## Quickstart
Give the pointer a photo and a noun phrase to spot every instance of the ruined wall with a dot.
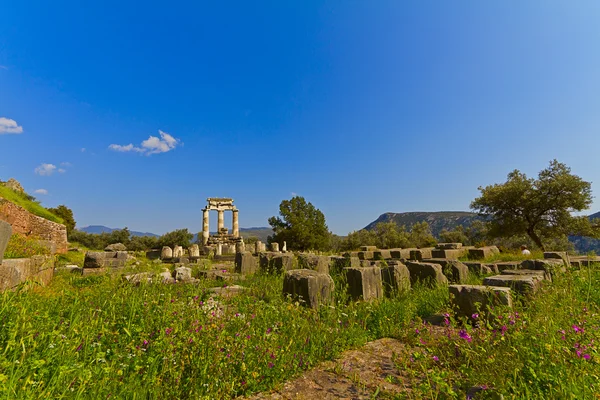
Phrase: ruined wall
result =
(17, 270)
(25, 223)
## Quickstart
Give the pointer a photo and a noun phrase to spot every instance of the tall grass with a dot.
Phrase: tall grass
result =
(32, 206)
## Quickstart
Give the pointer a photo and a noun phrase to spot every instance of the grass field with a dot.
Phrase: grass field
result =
(31, 206)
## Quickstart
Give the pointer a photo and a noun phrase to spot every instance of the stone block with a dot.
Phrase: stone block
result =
(137, 279)
(395, 278)
(48, 245)
(182, 274)
(310, 287)
(365, 255)
(551, 265)
(525, 285)
(401, 253)
(240, 247)
(420, 254)
(16, 270)
(471, 299)
(5, 234)
(264, 259)
(313, 262)
(501, 266)
(455, 271)
(194, 250)
(245, 263)
(74, 269)
(337, 263)
(558, 255)
(177, 251)
(364, 283)
(166, 253)
(539, 273)
(450, 254)
(368, 248)
(429, 273)
(483, 252)
(153, 254)
(94, 259)
(448, 246)
(275, 247)
(115, 247)
(382, 255)
(276, 262)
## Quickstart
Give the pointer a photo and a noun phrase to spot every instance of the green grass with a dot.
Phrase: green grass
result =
(32, 206)
(20, 246)
(512, 256)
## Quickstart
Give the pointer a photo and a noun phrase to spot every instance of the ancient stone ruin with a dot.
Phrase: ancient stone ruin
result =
(222, 236)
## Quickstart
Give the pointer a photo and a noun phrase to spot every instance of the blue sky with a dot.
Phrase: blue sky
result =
(360, 107)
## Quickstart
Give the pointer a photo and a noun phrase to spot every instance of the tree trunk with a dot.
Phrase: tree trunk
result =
(535, 238)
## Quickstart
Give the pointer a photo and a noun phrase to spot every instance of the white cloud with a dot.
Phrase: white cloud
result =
(152, 145)
(66, 164)
(83, 149)
(9, 126)
(45, 169)
(40, 191)
(62, 170)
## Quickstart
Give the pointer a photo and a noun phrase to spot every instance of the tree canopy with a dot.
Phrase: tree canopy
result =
(66, 214)
(300, 225)
(540, 208)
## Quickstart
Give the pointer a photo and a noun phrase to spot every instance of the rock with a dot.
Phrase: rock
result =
(543, 275)
(310, 287)
(5, 234)
(166, 253)
(401, 253)
(508, 265)
(115, 247)
(275, 247)
(526, 285)
(94, 259)
(396, 278)
(455, 271)
(483, 252)
(313, 262)
(428, 273)
(245, 263)
(14, 184)
(364, 283)
(382, 255)
(368, 248)
(420, 254)
(136, 279)
(366, 255)
(471, 299)
(281, 262)
(450, 254)
(448, 246)
(194, 250)
(74, 269)
(153, 254)
(337, 264)
(560, 255)
(182, 274)
(177, 251)
(550, 265)
(165, 277)
(240, 247)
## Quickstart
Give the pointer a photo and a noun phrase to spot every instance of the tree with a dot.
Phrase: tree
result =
(300, 225)
(178, 237)
(540, 208)
(420, 235)
(66, 214)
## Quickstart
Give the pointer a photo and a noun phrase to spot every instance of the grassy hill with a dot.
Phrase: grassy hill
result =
(28, 203)
(97, 229)
(437, 220)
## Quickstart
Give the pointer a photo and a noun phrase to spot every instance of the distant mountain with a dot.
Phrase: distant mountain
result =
(437, 221)
(104, 229)
(584, 244)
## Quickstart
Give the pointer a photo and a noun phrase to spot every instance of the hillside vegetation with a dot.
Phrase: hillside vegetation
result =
(437, 221)
(29, 203)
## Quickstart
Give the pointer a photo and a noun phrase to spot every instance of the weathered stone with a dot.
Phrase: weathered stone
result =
(219, 249)
(455, 271)
(49, 245)
(451, 254)
(472, 299)
(396, 278)
(245, 263)
(165, 277)
(523, 284)
(178, 251)
(310, 287)
(74, 269)
(561, 255)
(94, 259)
(153, 254)
(501, 266)
(420, 254)
(313, 262)
(115, 247)
(428, 273)
(275, 247)
(550, 265)
(401, 253)
(368, 248)
(483, 252)
(448, 246)
(364, 283)
(337, 264)
(382, 255)
(16, 270)
(5, 234)
(182, 274)
(136, 279)
(365, 255)
(479, 268)
(240, 247)
(281, 262)
(166, 253)
(194, 250)
(539, 273)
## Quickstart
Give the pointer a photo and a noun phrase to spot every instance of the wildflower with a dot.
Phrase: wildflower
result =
(436, 358)
(168, 331)
(586, 356)
(503, 329)
(271, 365)
(269, 330)
(475, 316)
(465, 335)
(577, 329)
(417, 331)
(145, 342)
(80, 347)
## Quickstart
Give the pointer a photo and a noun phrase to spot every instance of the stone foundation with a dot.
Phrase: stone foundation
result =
(37, 268)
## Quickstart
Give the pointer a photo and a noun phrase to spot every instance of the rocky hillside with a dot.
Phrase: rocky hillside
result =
(437, 220)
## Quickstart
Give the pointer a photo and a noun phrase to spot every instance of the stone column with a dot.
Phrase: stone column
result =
(221, 220)
(205, 227)
(236, 224)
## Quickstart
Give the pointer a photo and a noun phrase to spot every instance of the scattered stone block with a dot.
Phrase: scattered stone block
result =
(526, 285)
(560, 255)
(166, 253)
(483, 252)
(16, 270)
(153, 254)
(539, 273)
(165, 277)
(74, 269)
(228, 291)
(501, 266)
(5, 234)
(182, 274)
(275, 247)
(313, 262)
(421, 254)
(551, 266)
(395, 278)
(308, 286)
(137, 279)
(115, 247)
(472, 299)
(428, 273)
(94, 259)
(178, 252)
(401, 253)
(364, 283)
(448, 246)
(281, 262)
(366, 255)
(382, 255)
(337, 264)
(245, 263)
(194, 250)
(455, 271)
(451, 254)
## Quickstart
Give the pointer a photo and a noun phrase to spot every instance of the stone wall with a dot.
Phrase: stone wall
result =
(17, 270)
(25, 223)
